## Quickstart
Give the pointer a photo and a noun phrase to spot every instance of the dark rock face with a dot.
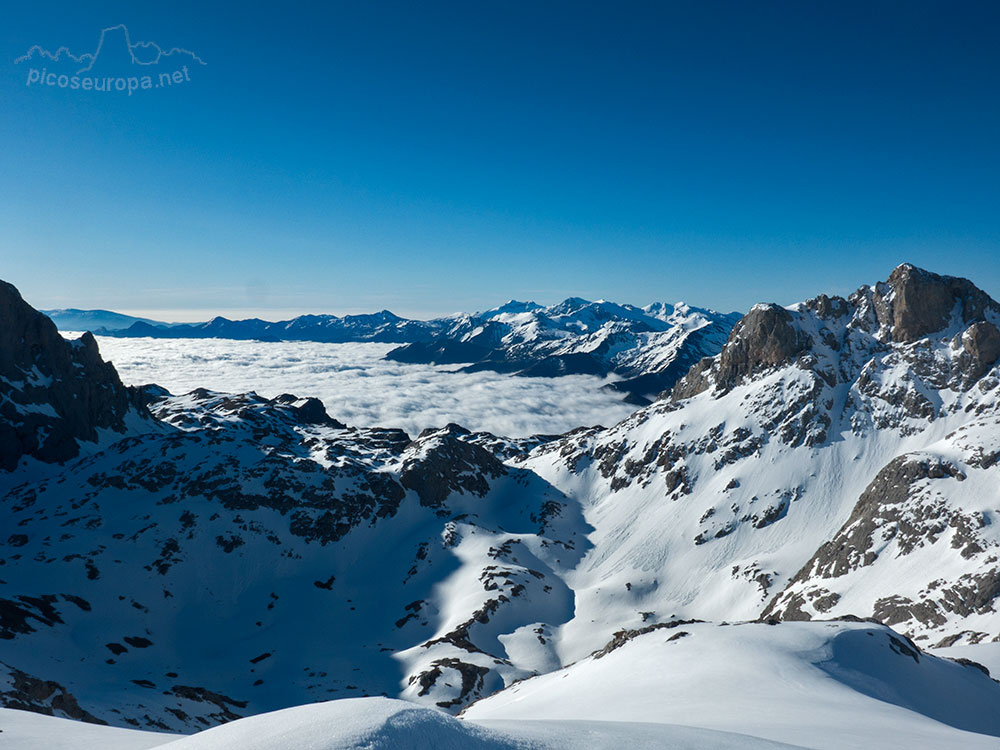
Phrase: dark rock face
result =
(440, 463)
(53, 392)
(308, 410)
(763, 338)
(914, 303)
(828, 308)
(694, 382)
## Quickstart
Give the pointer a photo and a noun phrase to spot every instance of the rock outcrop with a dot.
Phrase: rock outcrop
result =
(764, 338)
(981, 342)
(53, 393)
(913, 303)
(439, 463)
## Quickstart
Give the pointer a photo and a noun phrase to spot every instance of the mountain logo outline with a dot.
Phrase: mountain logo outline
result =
(145, 54)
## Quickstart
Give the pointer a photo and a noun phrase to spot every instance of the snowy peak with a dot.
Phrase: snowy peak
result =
(648, 348)
(383, 326)
(511, 307)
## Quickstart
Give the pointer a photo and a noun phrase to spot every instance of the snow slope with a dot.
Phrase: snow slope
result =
(688, 685)
(372, 724)
(25, 730)
(832, 685)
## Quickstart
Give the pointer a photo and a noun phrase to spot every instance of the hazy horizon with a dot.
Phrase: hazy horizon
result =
(181, 315)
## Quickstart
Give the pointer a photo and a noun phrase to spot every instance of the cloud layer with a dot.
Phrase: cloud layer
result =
(360, 388)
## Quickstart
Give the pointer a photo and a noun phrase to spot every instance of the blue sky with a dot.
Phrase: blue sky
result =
(433, 157)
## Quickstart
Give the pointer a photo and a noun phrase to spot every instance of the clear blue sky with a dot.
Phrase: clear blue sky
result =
(431, 157)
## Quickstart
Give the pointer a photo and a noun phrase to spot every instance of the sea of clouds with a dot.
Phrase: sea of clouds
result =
(362, 389)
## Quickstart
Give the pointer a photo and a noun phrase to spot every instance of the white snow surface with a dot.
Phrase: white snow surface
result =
(824, 685)
(24, 730)
(693, 686)
(372, 724)
(360, 388)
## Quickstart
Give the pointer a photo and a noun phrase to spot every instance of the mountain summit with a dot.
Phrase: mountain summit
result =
(54, 394)
(914, 303)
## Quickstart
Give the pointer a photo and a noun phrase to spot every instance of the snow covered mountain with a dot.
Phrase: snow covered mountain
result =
(648, 348)
(838, 457)
(208, 556)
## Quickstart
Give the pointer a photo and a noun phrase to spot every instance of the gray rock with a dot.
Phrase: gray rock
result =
(981, 341)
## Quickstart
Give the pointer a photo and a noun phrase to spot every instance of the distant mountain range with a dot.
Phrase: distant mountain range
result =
(647, 348)
(97, 321)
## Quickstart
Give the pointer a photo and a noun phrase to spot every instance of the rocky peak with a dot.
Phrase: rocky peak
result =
(911, 305)
(764, 338)
(828, 308)
(308, 410)
(914, 303)
(440, 462)
(53, 392)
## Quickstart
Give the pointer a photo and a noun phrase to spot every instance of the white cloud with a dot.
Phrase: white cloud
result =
(360, 388)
